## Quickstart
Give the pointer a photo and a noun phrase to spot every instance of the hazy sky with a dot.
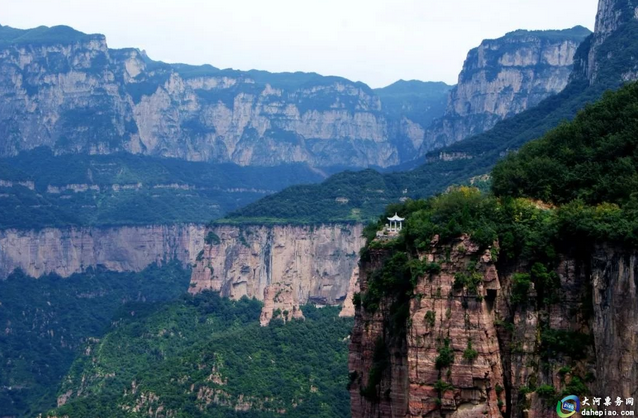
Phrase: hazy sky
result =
(374, 41)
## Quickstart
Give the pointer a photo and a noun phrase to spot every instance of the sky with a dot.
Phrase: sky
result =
(373, 41)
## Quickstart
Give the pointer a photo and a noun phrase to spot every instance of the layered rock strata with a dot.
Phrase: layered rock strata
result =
(466, 354)
(65, 251)
(503, 77)
(285, 266)
(74, 94)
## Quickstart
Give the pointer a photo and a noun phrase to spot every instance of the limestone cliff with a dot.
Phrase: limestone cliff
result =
(612, 15)
(471, 354)
(73, 94)
(285, 266)
(74, 250)
(503, 77)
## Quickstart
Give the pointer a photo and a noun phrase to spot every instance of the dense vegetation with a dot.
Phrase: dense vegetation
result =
(559, 196)
(362, 195)
(577, 33)
(589, 167)
(591, 159)
(129, 189)
(46, 321)
(584, 172)
(206, 356)
(41, 35)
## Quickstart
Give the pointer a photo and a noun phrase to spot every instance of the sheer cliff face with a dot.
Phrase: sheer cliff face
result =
(594, 317)
(438, 316)
(74, 250)
(611, 16)
(284, 266)
(81, 96)
(614, 279)
(503, 77)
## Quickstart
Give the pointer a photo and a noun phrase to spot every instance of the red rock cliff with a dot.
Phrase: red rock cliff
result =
(469, 351)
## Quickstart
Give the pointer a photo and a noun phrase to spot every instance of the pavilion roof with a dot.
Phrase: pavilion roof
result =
(396, 218)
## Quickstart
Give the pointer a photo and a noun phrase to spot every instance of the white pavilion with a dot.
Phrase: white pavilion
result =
(396, 223)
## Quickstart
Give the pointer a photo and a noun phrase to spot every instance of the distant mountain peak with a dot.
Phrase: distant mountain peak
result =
(44, 35)
(577, 32)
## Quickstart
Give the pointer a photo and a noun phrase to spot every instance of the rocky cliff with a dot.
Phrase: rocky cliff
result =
(458, 352)
(70, 92)
(284, 266)
(65, 251)
(612, 16)
(503, 77)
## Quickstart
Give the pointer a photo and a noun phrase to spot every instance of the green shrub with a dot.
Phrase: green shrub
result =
(442, 386)
(521, 284)
(470, 354)
(200, 256)
(576, 386)
(212, 238)
(546, 391)
(356, 300)
(380, 363)
(430, 318)
(446, 355)
(569, 343)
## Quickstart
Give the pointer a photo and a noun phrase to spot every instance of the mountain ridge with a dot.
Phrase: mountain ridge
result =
(460, 162)
(123, 101)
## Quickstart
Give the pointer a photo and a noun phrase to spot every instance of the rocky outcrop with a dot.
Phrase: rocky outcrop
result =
(285, 266)
(614, 281)
(477, 353)
(503, 77)
(441, 317)
(347, 311)
(612, 15)
(74, 250)
(74, 94)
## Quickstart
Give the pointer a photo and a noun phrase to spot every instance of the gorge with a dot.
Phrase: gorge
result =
(166, 243)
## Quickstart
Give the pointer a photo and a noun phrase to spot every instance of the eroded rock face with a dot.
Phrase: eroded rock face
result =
(503, 77)
(440, 316)
(74, 250)
(611, 16)
(81, 96)
(285, 266)
(614, 279)
(581, 338)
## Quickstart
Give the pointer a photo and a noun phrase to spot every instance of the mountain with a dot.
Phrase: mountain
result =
(504, 304)
(68, 91)
(615, 18)
(467, 161)
(206, 356)
(41, 190)
(47, 321)
(503, 77)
